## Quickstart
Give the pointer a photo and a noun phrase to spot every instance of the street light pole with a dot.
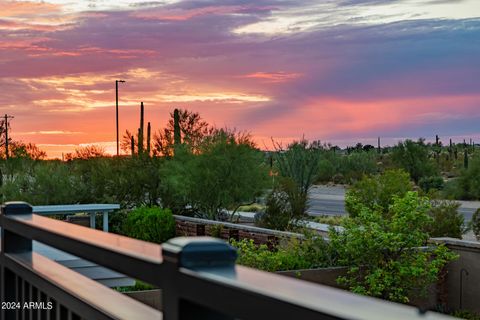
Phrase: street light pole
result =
(116, 110)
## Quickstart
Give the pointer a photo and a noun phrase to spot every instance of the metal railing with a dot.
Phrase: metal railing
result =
(92, 210)
(198, 278)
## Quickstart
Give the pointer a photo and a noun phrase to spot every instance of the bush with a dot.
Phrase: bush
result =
(299, 163)
(284, 207)
(331, 220)
(216, 230)
(475, 224)
(465, 314)
(227, 173)
(277, 215)
(129, 181)
(313, 252)
(150, 224)
(326, 170)
(469, 181)
(381, 250)
(358, 164)
(378, 192)
(138, 286)
(254, 207)
(116, 221)
(45, 183)
(431, 183)
(414, 158)
(447, 221)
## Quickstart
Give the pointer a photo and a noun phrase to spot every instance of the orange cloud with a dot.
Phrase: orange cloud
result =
(119, 53)
(27, 8)
(17, 25)
(273, 76)
(37, 16)
(182, 15)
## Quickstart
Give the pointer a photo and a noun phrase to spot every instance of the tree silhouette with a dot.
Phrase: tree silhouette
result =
(192, 130)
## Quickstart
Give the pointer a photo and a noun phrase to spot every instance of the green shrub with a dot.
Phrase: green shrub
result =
(227, 172)
(299, 163)
(216, 230)
(447, 221)
(377, 192)
(380, 250)
(431, 183)
(254, 207)
(139, 286)
(150, 224)
(312, 252)
(326, 171)
(469, 180)
(475, 224)
(414, 158)
(465, 314)
(357, 164)
(331, 220)
(284, 207)
(116, 220)
(452, 190)
(277, 215)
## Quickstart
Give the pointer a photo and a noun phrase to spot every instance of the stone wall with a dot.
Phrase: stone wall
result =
(189, 227)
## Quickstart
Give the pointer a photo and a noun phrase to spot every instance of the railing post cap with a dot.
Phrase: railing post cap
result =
(198, 252)
(16, 207)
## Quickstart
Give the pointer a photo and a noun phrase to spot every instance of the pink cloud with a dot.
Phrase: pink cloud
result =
(27, 8)
(273, 76)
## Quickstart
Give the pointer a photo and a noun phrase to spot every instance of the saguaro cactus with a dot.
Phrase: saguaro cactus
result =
(465, 158)
(379, 148)
(132, 145)
(177, 139)
(437, 148)
(450, 150)
(149, 131)
(140, 130)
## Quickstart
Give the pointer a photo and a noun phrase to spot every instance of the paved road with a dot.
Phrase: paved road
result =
(331, 201)
(324, 200)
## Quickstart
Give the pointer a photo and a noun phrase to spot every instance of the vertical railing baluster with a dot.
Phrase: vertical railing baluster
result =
(43, 312)
(51, 312)
(58, 309)
(17, 294)
(24, 298)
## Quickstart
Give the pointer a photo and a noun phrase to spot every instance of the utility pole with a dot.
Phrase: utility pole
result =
(116, 110)
(6, 134)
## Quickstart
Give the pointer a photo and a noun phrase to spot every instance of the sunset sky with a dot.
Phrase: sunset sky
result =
(339, 71)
